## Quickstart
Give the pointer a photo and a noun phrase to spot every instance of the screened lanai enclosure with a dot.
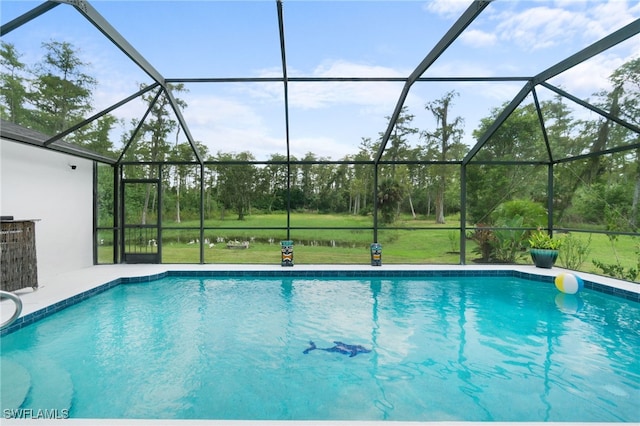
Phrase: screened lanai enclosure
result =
(445, 131)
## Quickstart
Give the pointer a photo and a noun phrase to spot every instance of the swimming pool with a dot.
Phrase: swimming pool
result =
(494, 348)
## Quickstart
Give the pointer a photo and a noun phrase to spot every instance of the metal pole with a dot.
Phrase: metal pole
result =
(375, 202)
(550, 198)
(118, 210)
(95, 213)
(201, 212)
(463, 213)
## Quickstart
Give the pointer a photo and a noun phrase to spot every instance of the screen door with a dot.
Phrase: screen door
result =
(141, 221)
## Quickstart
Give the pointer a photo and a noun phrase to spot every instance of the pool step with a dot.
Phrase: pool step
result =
(51, 386)
(16, 382)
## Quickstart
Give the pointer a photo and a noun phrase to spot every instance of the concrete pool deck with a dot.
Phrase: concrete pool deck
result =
(55, 289)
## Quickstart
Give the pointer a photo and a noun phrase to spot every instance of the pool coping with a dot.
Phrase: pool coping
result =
(80, 285)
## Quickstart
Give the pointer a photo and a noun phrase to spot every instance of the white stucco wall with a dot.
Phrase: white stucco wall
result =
(40, 184)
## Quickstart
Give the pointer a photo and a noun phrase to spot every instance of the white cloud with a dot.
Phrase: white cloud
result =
(324, 95)
(478, 38)
(593, 75)
(230, 125)
(461, 68)
(218, 111)
(564, 22)
(447, 8)
(610, 16)
(250, 117)
(343, 68)
(589, 77)
(234, 139)
(541, 27)
(322, 146)
(315, 95)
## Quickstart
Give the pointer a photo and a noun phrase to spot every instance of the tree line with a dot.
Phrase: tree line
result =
(420, 180)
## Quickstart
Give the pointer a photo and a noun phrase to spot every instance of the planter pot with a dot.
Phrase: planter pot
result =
(544, 258)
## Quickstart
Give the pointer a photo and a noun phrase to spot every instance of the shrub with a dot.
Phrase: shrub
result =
(574, 251)
(454, 241)
(484, 237)
(532, 213)
(617, 270)
(508, 243)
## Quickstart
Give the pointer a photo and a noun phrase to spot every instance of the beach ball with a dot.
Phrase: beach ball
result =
(569, 283)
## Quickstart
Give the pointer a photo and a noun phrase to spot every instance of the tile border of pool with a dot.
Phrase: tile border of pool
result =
(547, 276)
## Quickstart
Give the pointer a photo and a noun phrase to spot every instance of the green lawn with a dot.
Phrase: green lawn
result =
(434, 245)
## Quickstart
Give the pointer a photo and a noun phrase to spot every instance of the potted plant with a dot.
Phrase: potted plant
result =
(544, 248)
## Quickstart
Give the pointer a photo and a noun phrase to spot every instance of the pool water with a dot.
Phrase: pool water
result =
(442, 349)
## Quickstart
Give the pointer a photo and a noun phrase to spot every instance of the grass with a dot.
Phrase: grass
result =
(436, 244)
(621, 250)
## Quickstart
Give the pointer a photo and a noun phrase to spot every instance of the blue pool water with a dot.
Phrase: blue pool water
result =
(442, 349)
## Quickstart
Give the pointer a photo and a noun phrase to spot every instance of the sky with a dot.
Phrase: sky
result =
(216, 39)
